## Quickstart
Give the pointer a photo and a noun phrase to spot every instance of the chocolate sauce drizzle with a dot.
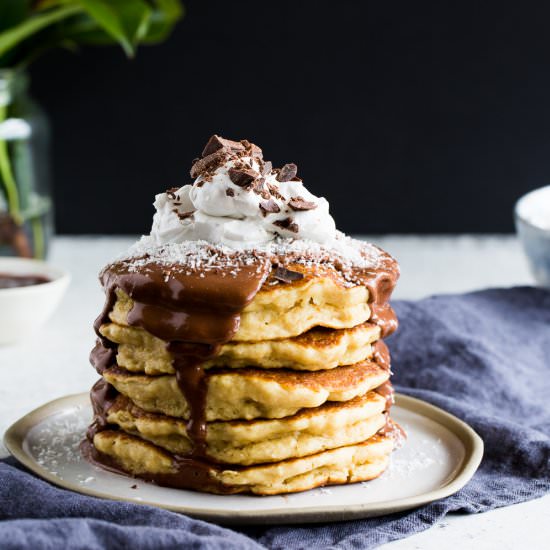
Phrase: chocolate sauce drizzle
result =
(196, 312)
(380, 283)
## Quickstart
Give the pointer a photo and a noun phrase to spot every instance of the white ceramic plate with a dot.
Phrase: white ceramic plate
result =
(439, 457)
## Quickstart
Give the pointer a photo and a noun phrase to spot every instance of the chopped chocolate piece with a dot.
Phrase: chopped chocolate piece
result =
(274, 191)
(298, 203)
(230, 192)
(215, 143)
(286, 275)
(183, 215)
(209, 162)
(267, 168)
(260, 188)
(263, 192)
(287, 223)
(134, 486)
(251, 149)
(287, 172)
(269, 207)
(242, 177)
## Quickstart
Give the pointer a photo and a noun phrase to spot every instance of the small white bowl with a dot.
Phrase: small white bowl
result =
(532, 216)
(24, 309)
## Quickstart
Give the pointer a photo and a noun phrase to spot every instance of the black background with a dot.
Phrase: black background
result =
(408, 117)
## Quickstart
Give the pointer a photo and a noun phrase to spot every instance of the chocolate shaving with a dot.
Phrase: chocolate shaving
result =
(183, 215)
(260, 189)
(267, 168)
(286, 275)
(218, 150)
(288, 224)
(287, 172)
(298, 204)
(209, 162)
(230, 192)
(242, 177)
(251, 149)
(274, 191)
(215, 143)
(269, 207)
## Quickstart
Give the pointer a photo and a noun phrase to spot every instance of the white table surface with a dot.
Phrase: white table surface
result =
(54, 361)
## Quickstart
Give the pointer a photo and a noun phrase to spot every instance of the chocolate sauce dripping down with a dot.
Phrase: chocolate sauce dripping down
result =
(381, 355)
(380, 283)
(194, 312)
(387, 392)
(193, 383)
(102, 396)
(102, 357)
(103, 354)
(393, 430)
(189, 473)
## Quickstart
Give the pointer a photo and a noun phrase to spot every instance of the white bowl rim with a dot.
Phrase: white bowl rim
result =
(522, 218)
(57, 275)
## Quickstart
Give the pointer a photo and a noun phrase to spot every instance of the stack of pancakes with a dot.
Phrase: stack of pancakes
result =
(298, 396)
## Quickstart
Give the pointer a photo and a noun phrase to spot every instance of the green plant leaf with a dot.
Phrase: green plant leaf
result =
(12, 37)
(108, 19)
(135, 16)
(13, 12)
(165, 15)
(51, 23)
(6, 173)
(160, 22)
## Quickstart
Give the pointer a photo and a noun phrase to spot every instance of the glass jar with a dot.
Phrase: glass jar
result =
(26, 213)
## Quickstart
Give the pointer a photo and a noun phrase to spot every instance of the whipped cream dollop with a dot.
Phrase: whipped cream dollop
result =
(237, 199)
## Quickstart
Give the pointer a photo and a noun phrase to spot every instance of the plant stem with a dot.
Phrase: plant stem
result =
(38, 234)
(8, 180)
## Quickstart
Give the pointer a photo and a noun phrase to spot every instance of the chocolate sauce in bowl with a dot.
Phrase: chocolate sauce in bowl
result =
(9, 280)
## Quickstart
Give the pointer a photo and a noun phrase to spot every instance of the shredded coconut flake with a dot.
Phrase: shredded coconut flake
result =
(344, 253)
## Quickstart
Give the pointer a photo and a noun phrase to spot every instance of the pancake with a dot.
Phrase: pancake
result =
(131, 455)
(256, 441)
(284, 311)
(319, 348)
(250, 393)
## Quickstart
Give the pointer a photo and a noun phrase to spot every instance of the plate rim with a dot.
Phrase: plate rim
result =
(472, 442)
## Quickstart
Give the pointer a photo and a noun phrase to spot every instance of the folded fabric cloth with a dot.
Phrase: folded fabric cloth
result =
(482, 356)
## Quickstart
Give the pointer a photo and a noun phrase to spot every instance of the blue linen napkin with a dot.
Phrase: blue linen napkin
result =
(483, 356)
